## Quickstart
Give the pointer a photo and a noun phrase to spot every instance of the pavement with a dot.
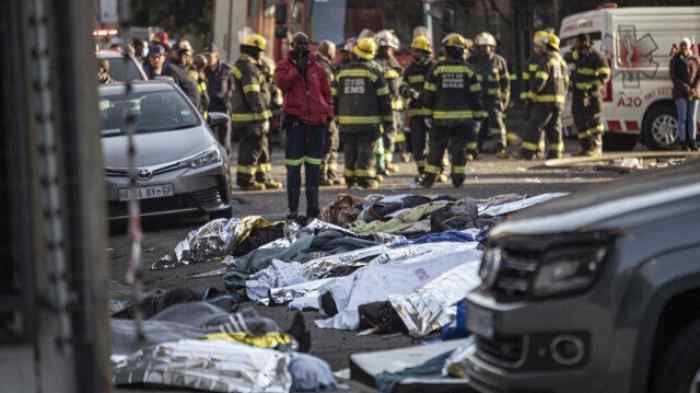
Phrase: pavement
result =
(486, 177)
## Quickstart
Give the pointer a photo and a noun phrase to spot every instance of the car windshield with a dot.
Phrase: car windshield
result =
(123, 71)
(163, 110)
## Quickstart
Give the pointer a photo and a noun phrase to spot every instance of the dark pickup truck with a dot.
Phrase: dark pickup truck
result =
(594, 292)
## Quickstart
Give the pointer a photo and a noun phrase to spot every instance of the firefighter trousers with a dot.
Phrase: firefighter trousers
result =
(586, 110)
(419, 140)
(388, 140)
(547, 118)
(264, 173)
(329, 165)
(454, 139)
(304, 147)
(359, 147)
(250, 149)
(494, 126)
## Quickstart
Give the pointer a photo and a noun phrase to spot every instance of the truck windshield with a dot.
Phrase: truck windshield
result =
(336, 20)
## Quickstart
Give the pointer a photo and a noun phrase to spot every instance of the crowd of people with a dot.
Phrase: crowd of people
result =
(440, 109)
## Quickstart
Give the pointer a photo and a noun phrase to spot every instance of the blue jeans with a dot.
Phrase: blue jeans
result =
(687, 119)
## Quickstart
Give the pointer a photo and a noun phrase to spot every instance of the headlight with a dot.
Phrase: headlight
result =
(207, 157)
(570, 270)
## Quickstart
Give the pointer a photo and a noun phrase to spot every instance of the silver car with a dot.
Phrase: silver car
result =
(180, 165)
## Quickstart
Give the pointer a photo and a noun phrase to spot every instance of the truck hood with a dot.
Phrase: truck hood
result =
(601, 205)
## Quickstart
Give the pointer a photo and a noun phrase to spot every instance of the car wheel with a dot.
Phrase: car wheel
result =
(679, 369)
(660, 127)
(613, 141)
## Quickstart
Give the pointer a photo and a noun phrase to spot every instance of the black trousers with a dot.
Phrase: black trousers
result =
(250, 149)
(358, 147)
(304, 147)
(419, 140)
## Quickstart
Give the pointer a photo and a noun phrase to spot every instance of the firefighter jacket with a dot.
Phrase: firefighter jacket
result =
(453, 93)
(414, 79)
(530, 68)
(201, 81)
(361, 97)
(251, 96)
(589, 71)
(494, 78)
(550, 82)
(392, 75)
(328, 67)
(270, 89)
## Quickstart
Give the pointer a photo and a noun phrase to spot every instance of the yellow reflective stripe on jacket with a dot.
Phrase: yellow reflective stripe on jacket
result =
(472, 146)
(334, 91)
(388, 118)
(542, 75)
(267, 167)
(526, 95)
(448, 115)
(391, 74)
(586, 71)
(453, 69)
(357, 73)
(494, 92)
(253, 87)
(430, 86)
(383, 91)
(348, 173)
(349, 120)
(549, 98)
(249, 117)
(416, 79)
(475, 88)
(532, 67)
(236, 72)
(526, 76)
(419, 112)
(603, 71)
(396, 104)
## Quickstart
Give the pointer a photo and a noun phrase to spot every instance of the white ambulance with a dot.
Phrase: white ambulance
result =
(639, 43)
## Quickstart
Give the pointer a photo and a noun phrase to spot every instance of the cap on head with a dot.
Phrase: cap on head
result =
(156, 50)
(255, 41)
(365, 48)
(422, 42)
(485, 39)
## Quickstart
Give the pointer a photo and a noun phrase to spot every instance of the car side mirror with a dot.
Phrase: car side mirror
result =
(217, 119)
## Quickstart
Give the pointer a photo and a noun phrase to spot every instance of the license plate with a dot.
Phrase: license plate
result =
(150, 192)
(480, 321)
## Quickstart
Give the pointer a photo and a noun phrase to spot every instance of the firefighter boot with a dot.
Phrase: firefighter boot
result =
(252, 186)
(458, 180)
(312, 208)
(293, 195)
(427, 180)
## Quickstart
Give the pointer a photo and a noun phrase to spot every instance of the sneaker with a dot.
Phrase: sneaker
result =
(254, 186)
(273, 185)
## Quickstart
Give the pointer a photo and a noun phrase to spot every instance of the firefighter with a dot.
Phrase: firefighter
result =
(325, 57)
(185, 61)
(388, 43)
(547, 95)
(453, 94)
(412, 90)
(362, 105)
(274, 101)
(250, 113)
(199, 65)
(590, 71)
(495, 81)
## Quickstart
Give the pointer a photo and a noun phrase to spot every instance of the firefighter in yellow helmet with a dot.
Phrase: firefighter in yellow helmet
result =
(547, 94)
(362, 104)
(495, 80)
(453, 95)
(250, 111)
(590, 71)
(412, 91)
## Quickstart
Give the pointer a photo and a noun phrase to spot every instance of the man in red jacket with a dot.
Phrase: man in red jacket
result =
(308, 107)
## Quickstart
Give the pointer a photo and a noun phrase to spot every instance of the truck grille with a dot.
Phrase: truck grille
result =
(502, 351)
(514, 280)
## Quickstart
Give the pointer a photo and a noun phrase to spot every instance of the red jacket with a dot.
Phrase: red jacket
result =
(307, 98)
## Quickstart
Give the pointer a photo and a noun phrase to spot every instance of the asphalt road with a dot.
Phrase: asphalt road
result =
(486, 178)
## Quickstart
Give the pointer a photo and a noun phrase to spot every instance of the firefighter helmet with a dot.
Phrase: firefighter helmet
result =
(540, 38)
(327, 49)
(553, 41)
(422, 42)
(255, 41)
(485, 39)
(387, 38)
(365, 48)
(455, 39)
